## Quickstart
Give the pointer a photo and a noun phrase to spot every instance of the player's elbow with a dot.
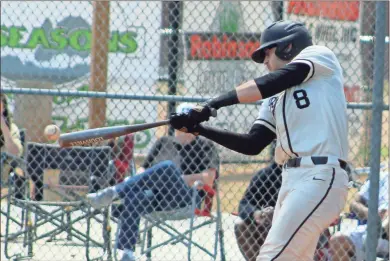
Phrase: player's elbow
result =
(252, 150)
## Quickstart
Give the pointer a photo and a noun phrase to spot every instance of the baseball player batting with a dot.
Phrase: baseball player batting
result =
(304, 108)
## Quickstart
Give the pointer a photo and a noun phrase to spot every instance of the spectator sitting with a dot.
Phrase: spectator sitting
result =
(171, 168)
(10, 142)
(350, 245)
(256, 210)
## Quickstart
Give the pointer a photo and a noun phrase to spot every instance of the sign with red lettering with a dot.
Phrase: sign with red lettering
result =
(221, 46)
(335, 10)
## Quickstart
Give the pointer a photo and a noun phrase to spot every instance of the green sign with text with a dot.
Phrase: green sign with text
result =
(60, 38)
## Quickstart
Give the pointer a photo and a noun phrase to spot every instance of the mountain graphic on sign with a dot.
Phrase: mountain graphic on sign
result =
(69, 23)
(14, 68)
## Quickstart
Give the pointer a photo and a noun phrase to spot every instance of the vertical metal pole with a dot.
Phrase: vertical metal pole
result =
(376, 132)
(173, 55)
(277, 10)
(99, 62)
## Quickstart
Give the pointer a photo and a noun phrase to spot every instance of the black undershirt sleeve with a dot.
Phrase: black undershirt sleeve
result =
(286, 77)
(227, 99)
(251, 143)
(270, 84)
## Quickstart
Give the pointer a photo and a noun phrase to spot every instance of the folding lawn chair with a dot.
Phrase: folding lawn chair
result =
(161, 220)
(15, 179)
(12, 186)
(68, 214)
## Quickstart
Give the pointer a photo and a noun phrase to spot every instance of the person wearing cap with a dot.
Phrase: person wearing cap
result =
(171, 167)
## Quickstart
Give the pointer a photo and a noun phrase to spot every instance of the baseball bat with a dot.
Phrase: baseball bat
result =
(84, 137)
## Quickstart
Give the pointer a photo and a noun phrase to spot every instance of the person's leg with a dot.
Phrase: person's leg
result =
(160, 186)
(153, 178)
(164, 180)
(164, 191)
(342, 248)
(160, 175)
(135, 206)
(309, 206)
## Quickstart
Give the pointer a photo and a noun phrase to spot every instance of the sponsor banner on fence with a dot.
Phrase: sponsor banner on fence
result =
(54, 45)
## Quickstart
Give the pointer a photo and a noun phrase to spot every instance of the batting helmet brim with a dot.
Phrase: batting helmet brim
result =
(259, 54)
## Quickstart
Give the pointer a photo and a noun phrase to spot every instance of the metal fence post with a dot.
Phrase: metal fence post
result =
(376, 129)
(173, 56)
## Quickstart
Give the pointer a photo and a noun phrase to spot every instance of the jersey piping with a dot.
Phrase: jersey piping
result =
(308, 216)
(259, 121)
(312, 67)
(285, 125)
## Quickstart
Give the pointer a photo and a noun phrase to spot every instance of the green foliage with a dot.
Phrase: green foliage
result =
(229, 18)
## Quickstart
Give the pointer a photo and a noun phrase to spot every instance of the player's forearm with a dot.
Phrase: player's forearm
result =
(245, 93)
(360, 210)
(252, 143)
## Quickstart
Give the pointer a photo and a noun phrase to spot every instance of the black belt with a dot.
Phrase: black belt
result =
(296, 162)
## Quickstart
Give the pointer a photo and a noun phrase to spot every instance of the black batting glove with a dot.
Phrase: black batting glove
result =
(200, 113)
(184, 123)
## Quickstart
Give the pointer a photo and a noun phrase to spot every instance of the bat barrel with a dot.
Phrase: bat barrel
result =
(85, 137)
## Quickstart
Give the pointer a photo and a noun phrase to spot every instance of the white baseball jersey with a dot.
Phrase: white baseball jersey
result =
(310, 119)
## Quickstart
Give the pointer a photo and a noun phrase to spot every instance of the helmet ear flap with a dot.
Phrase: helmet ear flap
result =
(285, 51)
(288, 49)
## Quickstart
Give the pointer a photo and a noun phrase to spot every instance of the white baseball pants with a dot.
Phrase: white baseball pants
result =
(310, 199)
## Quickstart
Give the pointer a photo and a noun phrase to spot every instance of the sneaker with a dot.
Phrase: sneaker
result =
(102, 198)
(128, 257)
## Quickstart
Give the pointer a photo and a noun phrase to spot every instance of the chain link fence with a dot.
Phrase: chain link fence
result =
(83, 65)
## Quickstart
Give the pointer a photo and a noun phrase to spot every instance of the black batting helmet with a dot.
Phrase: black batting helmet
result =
(281, 34)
